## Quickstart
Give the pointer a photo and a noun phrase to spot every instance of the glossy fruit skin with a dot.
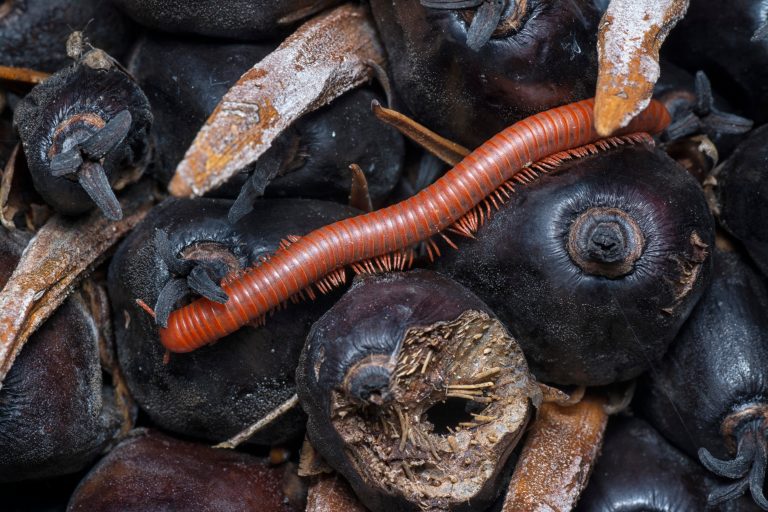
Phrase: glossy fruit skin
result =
(151, 471)
(231, 19)
(371, 321)
(33, 32)
(469, 96)
(717, 41)
(639, 470)
(56, 416)
(73, 91)
(717, 363)
(597, 330)
(742, 189)
(220, 390)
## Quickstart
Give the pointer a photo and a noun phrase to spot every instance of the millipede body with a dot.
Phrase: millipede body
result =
(396, 228)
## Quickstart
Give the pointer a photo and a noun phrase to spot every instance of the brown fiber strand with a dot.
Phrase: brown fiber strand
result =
(508, 155)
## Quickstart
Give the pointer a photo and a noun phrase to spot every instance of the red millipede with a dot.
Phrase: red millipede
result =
(398, 227)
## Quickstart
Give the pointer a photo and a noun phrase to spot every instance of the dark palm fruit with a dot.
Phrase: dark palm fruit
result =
(639, 471)
(595, 266)
(83, 130)
(742, 190)
(151, 471)
(708, 394)
(415, 393)
(231, 19)
(731, 46)
(55, 415)
(180, 250)
(541, 54)
(33, 32)
(184, 80)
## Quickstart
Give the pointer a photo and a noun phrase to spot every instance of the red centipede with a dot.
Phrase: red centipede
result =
(396, 228)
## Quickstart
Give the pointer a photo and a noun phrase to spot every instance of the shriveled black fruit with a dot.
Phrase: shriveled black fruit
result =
(540, 54)
(708, 394)
(231, 19)
(594, 266)
(639, 471)
(731, 46)
(415, 393)
(84, 130)
(742, 191)
(56, 416)
(181, 250)
(33, 32)
(151, 471)
(184, 81)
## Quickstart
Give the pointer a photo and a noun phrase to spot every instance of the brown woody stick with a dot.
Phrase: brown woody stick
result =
(557, 457)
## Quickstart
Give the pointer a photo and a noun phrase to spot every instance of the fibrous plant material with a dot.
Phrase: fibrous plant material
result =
(631, 33)
(559, 453)
(415, 393)
(324, 58)
(54, 261)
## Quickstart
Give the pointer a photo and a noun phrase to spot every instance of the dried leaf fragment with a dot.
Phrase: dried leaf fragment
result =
(330, 493)
(323, 59)
(631, 33)
(557, 457)
(59, 255)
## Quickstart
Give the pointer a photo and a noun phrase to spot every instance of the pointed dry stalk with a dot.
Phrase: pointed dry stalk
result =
(59, 255)
(631, 33)
(558, 456)
(326, 57)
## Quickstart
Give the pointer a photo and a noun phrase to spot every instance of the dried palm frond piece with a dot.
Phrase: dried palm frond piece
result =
(58, 256)
(631, 33)
(326, 57)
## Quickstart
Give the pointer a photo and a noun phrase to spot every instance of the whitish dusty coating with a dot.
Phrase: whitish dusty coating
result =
(326, 57)
(631, 33)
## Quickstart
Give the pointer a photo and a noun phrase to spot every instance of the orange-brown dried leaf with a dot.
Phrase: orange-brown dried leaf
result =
(323, 59)
(631, 33)
(557, 457)
(331, 493)
(58, 256)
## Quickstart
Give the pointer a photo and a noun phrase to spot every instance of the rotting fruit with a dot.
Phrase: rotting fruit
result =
(415, 393)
